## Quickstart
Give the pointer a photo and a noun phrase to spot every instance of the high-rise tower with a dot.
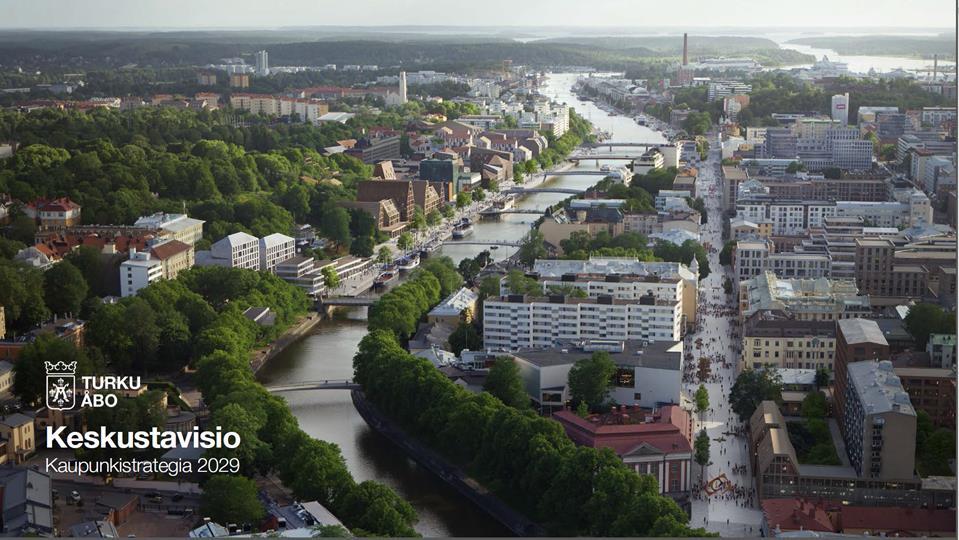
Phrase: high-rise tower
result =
(685, 50)
(402, 87)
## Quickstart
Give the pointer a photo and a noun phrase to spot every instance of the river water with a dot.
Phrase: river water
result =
(328, 354)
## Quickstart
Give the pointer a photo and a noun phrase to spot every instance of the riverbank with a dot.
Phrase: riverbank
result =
(453, 476)
(259, 357)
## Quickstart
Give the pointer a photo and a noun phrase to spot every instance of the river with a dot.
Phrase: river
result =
(327, 353)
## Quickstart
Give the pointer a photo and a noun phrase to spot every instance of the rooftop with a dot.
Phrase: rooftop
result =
(610, 265)
(861, 331)
(455, 303)
(879, 388)
(654, 355)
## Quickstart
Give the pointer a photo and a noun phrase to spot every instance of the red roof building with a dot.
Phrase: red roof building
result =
(783, 515)
(654, 442)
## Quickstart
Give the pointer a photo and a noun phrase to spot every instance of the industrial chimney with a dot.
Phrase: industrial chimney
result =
(935, 67)
(685, 57)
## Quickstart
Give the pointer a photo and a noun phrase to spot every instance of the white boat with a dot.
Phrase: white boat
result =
(462, 231)
(408, 263)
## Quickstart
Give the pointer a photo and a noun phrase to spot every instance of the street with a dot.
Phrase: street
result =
(723, 492)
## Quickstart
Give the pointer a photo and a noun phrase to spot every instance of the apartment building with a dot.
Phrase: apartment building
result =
(139, 271)
(879, 422)
(306, 109)
(857, 340)
(274, 249)
(623, 278)
(717, 90)
(520, 321)
(775, 339)
(803, 299)
(756, 256)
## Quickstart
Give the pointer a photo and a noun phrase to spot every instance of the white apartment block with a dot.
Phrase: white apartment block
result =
(795, 218)
(754, 257)
(517, 321)
(138, 272)
(238, 250)
(720, 89)
(274, 249)
(309, 110)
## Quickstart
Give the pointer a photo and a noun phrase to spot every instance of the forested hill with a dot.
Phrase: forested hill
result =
(922, 46)
(84, 51)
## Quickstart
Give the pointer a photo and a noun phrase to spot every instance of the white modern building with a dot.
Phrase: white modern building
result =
(262, 63)
(274, 249)
(238, 250)
(840, 109)
(139, 271)
(648, 374)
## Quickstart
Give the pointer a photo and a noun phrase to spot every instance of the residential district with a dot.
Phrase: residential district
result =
(744, 324)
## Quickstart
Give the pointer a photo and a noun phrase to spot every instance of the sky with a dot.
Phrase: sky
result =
(644, 15)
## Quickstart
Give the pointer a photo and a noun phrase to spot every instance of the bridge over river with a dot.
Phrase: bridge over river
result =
(331, 384)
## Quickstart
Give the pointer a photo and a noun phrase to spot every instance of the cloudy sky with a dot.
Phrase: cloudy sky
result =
(644, 15)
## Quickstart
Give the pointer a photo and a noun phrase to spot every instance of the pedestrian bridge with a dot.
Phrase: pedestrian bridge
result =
(577, 173)
(587, 157)
(619, 143)
(513, 243)
(523, 191)
(498, 211)
(331, 384)
(347, 301)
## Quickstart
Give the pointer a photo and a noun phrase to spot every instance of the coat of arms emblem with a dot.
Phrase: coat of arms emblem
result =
(61, 385)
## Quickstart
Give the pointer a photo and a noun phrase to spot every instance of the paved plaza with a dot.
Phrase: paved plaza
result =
(732, 512)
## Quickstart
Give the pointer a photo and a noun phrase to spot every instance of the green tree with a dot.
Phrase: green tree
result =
(405, 241)
(479, 195)
(489, 286)
(231, 499)
(466, 336)
(433, 218)
(701, 446)
(924, 319)
(21, 295)
(418, 221)
(753, 387)
(384, 255)
(463, 199)
(64, 288)
(330, 278)
(822, 378)
(814, 405)
(505, 383)
(447, 210)
(532, 248)
(727, 286)
(590, 379)
(362, 246)
(726, 255)
(701, 398)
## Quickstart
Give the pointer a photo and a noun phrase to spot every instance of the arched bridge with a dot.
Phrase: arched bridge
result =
(521, 191)
(332, 384)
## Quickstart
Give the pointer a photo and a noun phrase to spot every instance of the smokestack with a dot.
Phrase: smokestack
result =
(935, 67)
(685, 57)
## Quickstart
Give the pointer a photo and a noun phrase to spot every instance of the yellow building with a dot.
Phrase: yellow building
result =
(18, 432)
(782, 342)
(176, 257)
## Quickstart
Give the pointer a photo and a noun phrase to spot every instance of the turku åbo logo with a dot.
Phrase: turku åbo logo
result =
(61, 385)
